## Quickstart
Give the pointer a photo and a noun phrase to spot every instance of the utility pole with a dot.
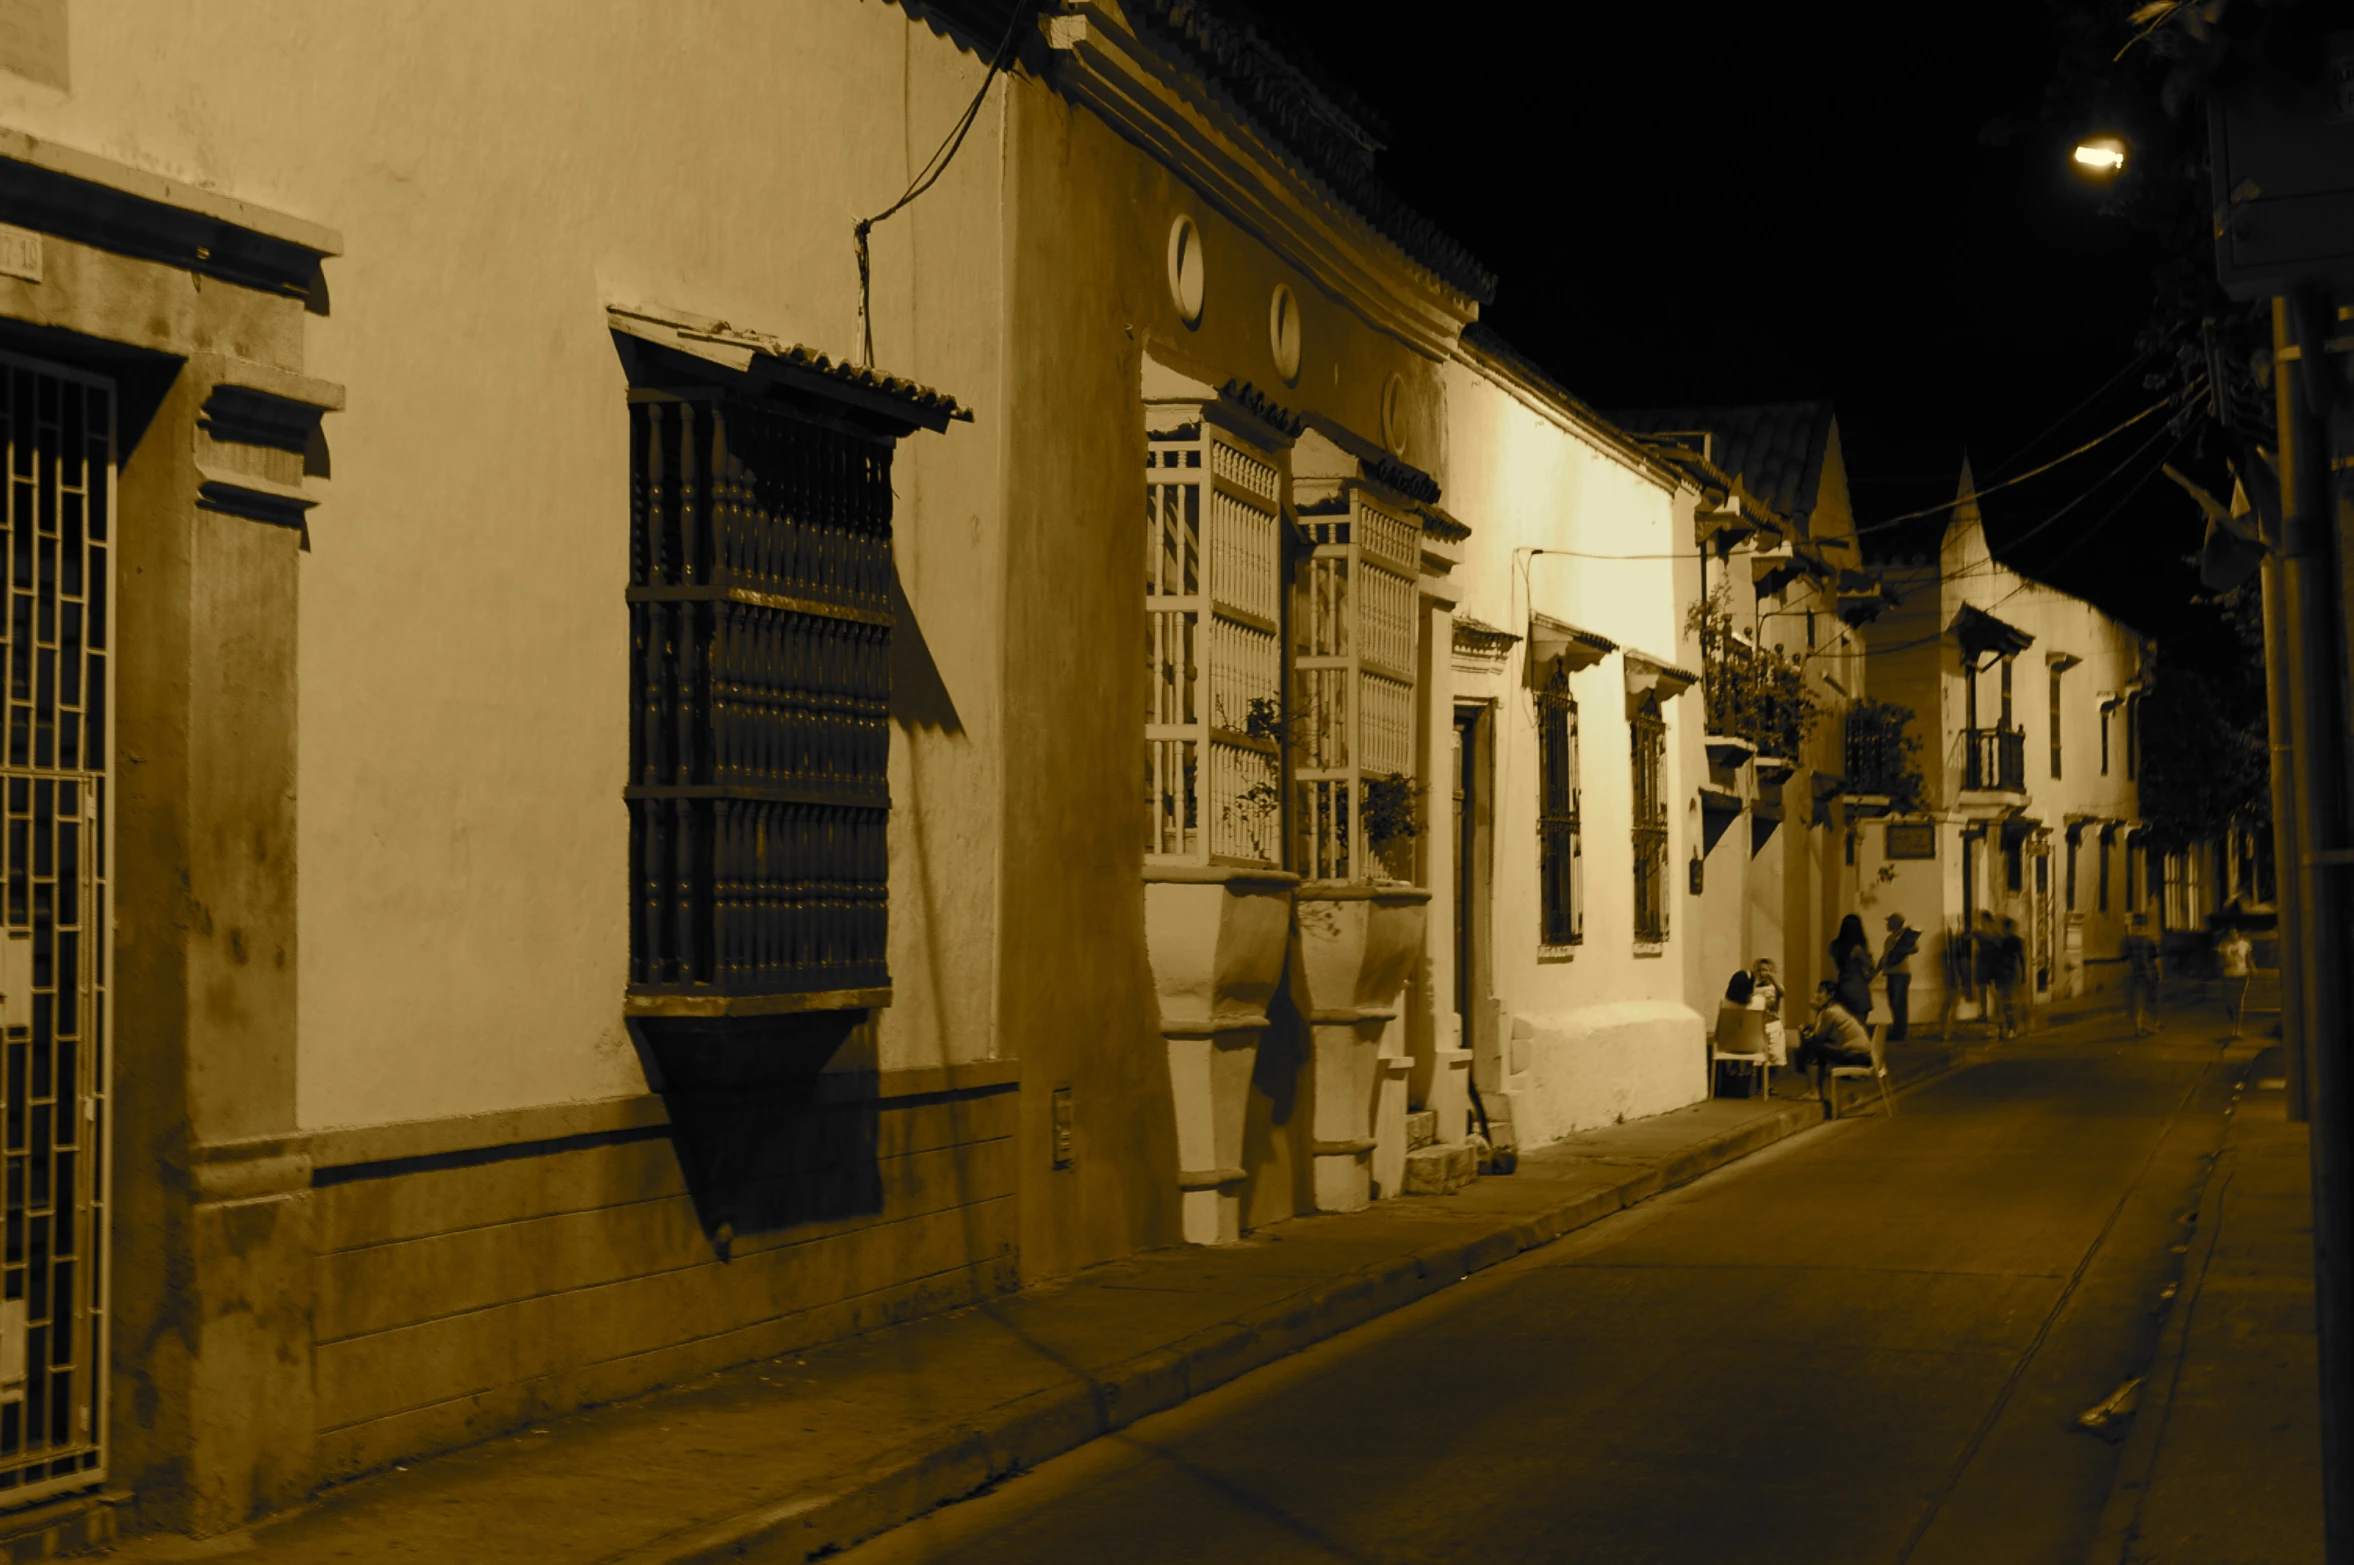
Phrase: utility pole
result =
(2282, 163)
(2316, 545)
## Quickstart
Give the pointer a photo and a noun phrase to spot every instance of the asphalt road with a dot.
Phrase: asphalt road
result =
(1867, 1344)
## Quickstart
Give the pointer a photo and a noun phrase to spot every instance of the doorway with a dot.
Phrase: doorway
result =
(1472, 776)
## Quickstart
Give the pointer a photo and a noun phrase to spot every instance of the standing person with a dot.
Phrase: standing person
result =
(1986, 963)
(2010, 976)
(2139, 953)
(1896, 964)
(1766, 995)
(2239, 966)
(1852, 967)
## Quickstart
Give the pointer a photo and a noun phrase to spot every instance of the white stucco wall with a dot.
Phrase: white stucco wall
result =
(499, 174)
(2081, 941)
(1604, 1030)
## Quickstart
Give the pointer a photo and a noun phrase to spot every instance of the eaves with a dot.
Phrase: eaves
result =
(1540, 396)
(1196, 129)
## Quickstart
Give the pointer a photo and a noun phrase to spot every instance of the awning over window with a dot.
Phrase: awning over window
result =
(1980, 632)
(1549, 638)
(1647, 675)
(1479, 639)
(771, 363)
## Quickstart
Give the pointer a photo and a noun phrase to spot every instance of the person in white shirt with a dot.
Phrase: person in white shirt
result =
(2238, 958)
(1765, 995)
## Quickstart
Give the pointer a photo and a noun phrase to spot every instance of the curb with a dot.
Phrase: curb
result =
(955, 1463)
(2137, 1459)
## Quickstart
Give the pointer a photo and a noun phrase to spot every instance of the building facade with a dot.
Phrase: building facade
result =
(1575, 754)
(1783, 598)
(585, 805)
(2028, 705)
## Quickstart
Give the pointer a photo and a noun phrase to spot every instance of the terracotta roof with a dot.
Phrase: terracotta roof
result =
(743, 349)
(1775, 448)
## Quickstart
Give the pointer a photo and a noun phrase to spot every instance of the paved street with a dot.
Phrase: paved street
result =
(1869, 1344)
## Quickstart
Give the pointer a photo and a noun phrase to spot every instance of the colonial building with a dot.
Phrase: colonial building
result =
(1778, 615)
(2029, 705)
(1576, 752)
(586, 804)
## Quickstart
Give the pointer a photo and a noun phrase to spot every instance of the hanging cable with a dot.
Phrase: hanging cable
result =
(2065, 456)
(926, 178)
(2103, 390)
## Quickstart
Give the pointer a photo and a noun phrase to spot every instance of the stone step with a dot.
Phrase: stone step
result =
(1422, 1128)
(1442, 1169)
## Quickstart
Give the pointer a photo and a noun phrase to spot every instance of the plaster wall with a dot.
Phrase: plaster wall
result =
(2073, 951)
(463, 638)
(1603, 1030)
(1090, 214)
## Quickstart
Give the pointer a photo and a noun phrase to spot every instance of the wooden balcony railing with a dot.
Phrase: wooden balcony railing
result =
(1995, 758)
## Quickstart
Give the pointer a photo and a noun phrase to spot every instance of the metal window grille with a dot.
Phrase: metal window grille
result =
(1649, 734)
(54, 950)
(1561, 864)
(1213, 645)
(1352, 678)
(2055, 723)
(759, 599)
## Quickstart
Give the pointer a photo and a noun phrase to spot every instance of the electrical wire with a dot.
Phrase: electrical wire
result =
(2136, 362)
(1984, 490)
(926, 177)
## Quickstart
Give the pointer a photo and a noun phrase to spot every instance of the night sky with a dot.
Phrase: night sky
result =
(1705, 203)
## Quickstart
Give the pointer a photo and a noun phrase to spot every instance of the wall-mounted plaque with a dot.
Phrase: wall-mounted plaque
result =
(1911, 840)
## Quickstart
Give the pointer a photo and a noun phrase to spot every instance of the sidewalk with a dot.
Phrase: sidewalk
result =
(788, 1458)
(2224, 1461)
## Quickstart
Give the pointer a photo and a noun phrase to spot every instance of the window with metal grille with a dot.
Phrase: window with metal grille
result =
(1561, 864)
(759, 600)
(58, 428)
(2055, 722)
(2102, 895)
(1648, 730)
(1353, 648)
(1213, 720)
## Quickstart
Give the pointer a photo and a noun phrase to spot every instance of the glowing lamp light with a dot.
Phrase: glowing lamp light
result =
(2099, 156)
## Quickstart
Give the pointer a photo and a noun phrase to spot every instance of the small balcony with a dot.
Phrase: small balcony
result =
(1883, 759)
(1995, 760)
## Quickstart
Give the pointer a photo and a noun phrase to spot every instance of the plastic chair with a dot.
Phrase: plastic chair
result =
(1740, 1037)
(1876, 1071)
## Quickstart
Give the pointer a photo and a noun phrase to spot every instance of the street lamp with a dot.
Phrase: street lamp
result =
(2100, 156)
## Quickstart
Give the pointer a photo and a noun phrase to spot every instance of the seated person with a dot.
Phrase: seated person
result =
(1834, 1037)
(1736, 1005)
(1766, 996)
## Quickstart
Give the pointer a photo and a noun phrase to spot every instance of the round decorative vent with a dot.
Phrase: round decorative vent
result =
(1283, 332)
(1393, 415)
(1185, 269)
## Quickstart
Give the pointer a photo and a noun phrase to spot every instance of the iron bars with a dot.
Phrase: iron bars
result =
(759, 596)
(59, 431)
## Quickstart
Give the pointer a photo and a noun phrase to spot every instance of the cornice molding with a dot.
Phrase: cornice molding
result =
(1188, 121)
(96, 201)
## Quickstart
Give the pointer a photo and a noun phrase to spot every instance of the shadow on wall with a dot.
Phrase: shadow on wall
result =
(1282, 1176)
(919, 696)
(766, 1137)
